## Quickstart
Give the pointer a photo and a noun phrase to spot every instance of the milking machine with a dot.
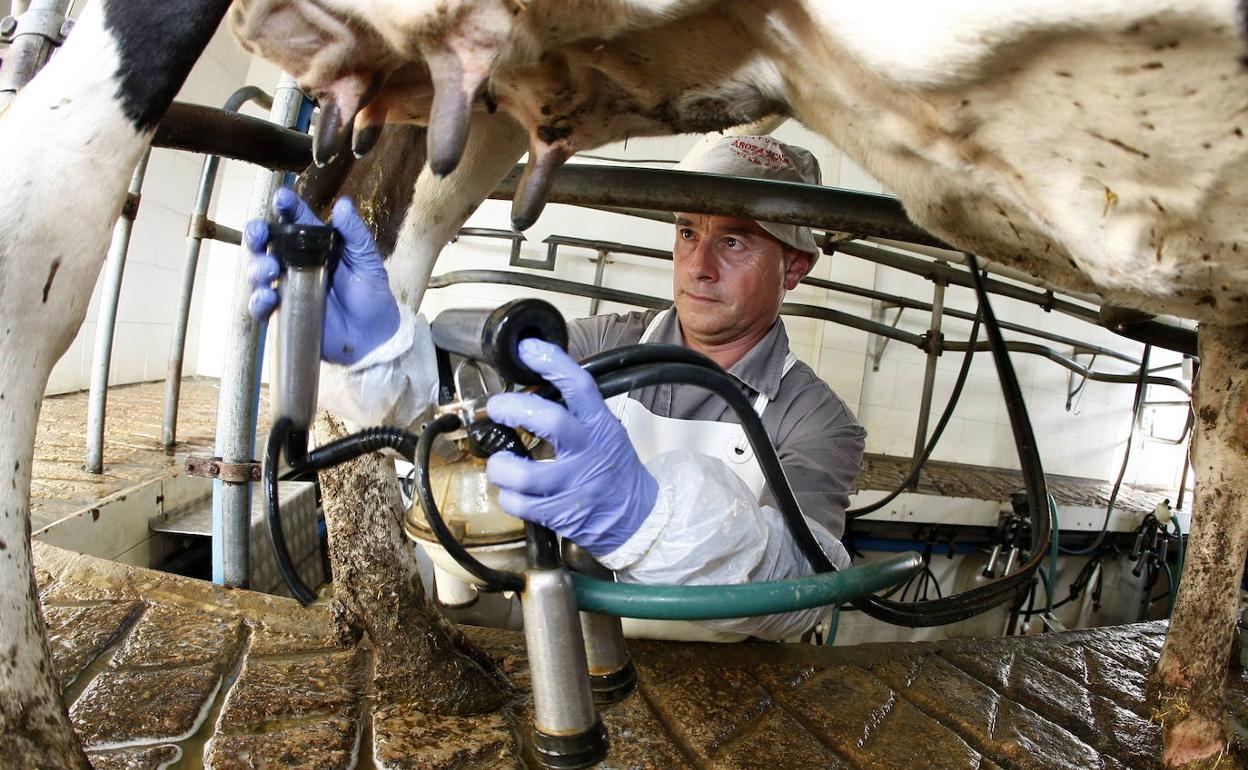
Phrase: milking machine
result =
(571, 605)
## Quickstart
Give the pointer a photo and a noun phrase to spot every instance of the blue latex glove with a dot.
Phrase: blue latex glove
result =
(360, 312)
(595, 492)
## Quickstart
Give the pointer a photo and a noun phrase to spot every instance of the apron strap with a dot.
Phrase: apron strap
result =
(616, 403)
(761, 402)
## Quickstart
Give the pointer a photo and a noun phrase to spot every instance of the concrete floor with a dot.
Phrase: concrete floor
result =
(234, 679)
(133, 454)
(158, 668)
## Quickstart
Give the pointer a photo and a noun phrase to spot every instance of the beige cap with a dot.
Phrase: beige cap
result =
(761, 157)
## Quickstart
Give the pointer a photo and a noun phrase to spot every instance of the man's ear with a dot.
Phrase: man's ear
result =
(798, 264)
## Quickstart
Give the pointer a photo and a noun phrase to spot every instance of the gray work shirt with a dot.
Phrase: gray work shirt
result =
(818, 439)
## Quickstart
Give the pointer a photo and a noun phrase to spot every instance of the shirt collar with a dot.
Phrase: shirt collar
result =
(760, 369)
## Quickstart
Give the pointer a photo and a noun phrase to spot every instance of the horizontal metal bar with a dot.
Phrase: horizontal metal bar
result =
(914, 304)
(542, 283)
(201, 226)
(985, 264)
(490, 232)
(1156, 333)
(1057, 358)
(852, 321)
(621, 248)
(214, 131)
(828, 208)
(1166, 367)
(611, 246)
(508, 278)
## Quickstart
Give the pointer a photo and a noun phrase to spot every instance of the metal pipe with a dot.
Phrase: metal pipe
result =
(213, 131)
(106, 321)
(194, 240)
(845, 288)
(240, 383)
(599, 269)
(543, 283)
(929, 374)
(829, 208)
(611, 246)
(34, 31)
(1074, 366)
(1156, 333)
(560, 286)
(906, 302)
(988, 266)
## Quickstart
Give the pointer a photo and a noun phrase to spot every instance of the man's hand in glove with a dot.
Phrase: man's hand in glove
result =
(360, 312)
(596, 492)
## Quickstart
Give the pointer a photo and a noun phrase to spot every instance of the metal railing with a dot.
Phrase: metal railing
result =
(198, 228)
(106, 322)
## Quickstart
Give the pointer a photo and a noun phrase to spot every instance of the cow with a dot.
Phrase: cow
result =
(71, 139)
(1093, 144)
(1096, 145)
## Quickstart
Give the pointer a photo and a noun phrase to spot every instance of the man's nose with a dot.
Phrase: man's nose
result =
(700, 262)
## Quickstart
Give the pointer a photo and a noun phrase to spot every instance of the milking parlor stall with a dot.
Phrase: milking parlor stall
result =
(699, 384)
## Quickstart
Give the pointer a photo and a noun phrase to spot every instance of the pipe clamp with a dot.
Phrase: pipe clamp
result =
(216, 468)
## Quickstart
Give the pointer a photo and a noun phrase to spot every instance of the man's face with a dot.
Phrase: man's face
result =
(730, 276)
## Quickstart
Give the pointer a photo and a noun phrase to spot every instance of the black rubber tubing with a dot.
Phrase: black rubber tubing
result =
(973, 601)
(954, 396)
(499, 580)
(624, 369)
(277, 538)
(334, 453)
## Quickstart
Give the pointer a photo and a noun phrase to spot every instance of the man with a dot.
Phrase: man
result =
(660, 485)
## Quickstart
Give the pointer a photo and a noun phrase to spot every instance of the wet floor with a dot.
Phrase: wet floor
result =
(155, 663)
(133, 450)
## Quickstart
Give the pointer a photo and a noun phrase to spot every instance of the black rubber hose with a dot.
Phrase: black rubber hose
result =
(349, 448)
(976, 600)
(277, 538)
(720, 383)
(914, 614)
(358, 445)
(497, 579)
(954, 396)
(1137, 406)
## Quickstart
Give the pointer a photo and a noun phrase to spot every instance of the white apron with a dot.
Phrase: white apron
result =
(651, 436)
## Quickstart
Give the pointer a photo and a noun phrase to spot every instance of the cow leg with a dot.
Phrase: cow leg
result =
(71, 140)
(441, 205)
(1193, 667)
(420, 657)
(34, 731)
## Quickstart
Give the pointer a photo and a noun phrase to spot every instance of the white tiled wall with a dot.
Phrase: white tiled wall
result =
(1087, 441)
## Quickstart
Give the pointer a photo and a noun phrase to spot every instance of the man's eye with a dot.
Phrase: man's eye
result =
(686, 233)
(731, 243)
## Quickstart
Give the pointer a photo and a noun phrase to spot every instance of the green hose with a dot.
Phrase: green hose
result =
(693, 602)
(833, 625)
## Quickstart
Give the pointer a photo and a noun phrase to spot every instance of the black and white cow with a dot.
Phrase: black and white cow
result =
(70, 140)
(1098, 145)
